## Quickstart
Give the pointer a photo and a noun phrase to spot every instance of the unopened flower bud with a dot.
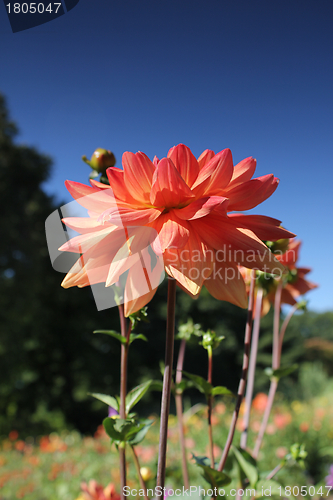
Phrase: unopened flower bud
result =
(278, 247)
(210, 340)
(146, 473)
(101, 160)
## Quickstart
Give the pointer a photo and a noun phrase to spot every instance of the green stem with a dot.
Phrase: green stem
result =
(274, 471)
(165, 405)
(284, 327)
(276, 326)
(252, 368)
(210, 406)
(123, 391)
(242, 383)
(271, 395)
(179, 409)
(138, 471)
(275, 366)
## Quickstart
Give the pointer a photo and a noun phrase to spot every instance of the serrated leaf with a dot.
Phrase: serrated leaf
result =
(200, 383)
(137, 336)
(108, 400)
(219, 390)
(283, 371)
(113, 334)
(244, 459)
(134, 396)
(212, 476)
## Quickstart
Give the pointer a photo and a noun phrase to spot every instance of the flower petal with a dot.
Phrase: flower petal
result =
(172, 232)
(137, 293)
(205, 157)
(84, 225)
(185, 162)
(169, 189)
(83, 242)
(142, 282)
(238, 245)
(138, 174)
(124, 216)
(264, 227)
(99, 185)
(91, 198)
(122, 262)
(190, 265)
(226, 283)
(88, 270)
(243, 171)
(215, 175)
(249, 194)
(202, 207)
(117, 182)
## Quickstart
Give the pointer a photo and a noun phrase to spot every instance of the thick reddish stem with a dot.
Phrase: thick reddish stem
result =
(242, 383)
(252, 368)
(167, 379)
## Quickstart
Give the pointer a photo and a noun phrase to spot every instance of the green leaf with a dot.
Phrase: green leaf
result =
(134, 396)
(114, 334)
(137, 336)
(265, 484)
(219, 390)
(247, 464)
(156, 385)
(200, 383)
(283, 371)
(212, 476)
(140, 435)
(123, 430)
(183, 385)
(108, 400)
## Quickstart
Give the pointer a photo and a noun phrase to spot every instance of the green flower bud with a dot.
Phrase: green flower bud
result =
(188, 329)
(210, 340)
(141, 315)
(101, 160)
(279, 246)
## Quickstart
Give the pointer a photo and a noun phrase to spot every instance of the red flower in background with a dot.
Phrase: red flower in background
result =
(186, 202)
(94, 491)
(295, 283)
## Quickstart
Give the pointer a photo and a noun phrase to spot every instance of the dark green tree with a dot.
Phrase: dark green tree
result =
(48, 356)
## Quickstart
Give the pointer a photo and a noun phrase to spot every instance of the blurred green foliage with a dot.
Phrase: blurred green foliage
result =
(50, 358)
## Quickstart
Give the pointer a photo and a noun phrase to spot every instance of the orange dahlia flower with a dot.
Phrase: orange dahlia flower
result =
(184, 202)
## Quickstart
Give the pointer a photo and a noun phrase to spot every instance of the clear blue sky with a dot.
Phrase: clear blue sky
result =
(252, 75)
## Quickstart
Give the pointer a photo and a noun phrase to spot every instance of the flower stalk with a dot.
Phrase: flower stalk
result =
(242, 383)
(278, 337)
(123, 391)
(275, 366)
(252, 368)
(167, 379)
(138, 471)
(179, 410)
(210, 407)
